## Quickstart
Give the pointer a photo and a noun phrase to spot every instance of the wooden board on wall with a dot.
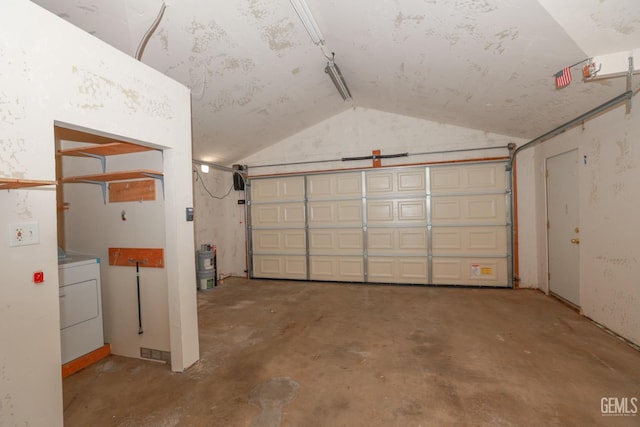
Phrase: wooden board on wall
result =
(132, 191)
(127, 257)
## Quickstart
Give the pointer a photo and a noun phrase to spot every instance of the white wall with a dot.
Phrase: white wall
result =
(609, 197)
(358, 131)
(529, 176)
(355, 132)
(220, 221)
(50, 70)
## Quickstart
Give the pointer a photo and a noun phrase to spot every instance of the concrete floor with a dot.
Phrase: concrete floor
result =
(319, 354)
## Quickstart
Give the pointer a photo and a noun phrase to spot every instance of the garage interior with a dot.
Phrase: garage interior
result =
(320, 213)
(317, 354)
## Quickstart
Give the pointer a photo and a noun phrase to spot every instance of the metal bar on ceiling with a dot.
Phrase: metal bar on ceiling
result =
(500, 147)
(213, 165)
(571, 123)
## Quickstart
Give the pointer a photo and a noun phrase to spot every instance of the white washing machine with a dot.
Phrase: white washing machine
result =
(81, 329)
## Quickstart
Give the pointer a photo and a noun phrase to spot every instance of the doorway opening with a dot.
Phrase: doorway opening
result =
(110, 196)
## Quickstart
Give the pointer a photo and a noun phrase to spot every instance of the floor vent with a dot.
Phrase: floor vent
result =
(153, 354)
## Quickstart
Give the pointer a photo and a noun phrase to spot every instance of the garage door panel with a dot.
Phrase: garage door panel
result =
(486, 209)
(295, 267)
(349, 213)
(470, 271)
(484, 178)
(269, 241)
(447, 239)
(320, 186)
(278, 215)
(279, 241)
(380, 211)
(330, 186)
(445, 209)
(335, 213)
(321, 240)
(469, 240)
(447, 271)
(264, 189)
(293, 215)
(411, 181)
(412, 270)
(392, 182)
(411, 239)
(350, 269)
(379, 182)
(344, 241)
(412, 210)
(349, 184)
(295, 240)
(292, 188)
(321, 212)
(397, 211)
(488, 239)
(283, 189)
(468, 178)
(349, 240)
(382, 239)
(381, 270)
(444, 180)
(398, 270)
(268, 266)
(483, 209)
(399, 240)
(279, 267)
(265, 215)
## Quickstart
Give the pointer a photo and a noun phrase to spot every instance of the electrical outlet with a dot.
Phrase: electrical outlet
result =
(25, 233)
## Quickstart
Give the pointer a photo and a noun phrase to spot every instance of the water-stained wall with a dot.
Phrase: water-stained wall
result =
(220, 220)
(358, 131)
(609, 204)
(52, 71)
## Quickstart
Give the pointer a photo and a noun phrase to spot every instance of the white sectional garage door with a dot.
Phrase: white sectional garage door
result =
(440, 225)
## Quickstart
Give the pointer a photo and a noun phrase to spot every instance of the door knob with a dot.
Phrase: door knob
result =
(575, 241)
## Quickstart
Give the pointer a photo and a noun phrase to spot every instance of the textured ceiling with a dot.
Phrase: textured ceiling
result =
(257, 78)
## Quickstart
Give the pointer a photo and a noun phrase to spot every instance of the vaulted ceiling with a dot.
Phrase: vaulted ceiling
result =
(256, 77)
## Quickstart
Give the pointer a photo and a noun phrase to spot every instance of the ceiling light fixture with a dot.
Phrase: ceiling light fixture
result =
(307, 20)
(337, 79)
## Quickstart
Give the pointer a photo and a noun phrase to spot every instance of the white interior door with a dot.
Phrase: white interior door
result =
(563, 226)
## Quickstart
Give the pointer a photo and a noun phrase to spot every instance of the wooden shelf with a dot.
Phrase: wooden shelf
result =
(12, 183)
(80, 136)
(110, 149)
(113, 176)
(100, 147)
(102, 178)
